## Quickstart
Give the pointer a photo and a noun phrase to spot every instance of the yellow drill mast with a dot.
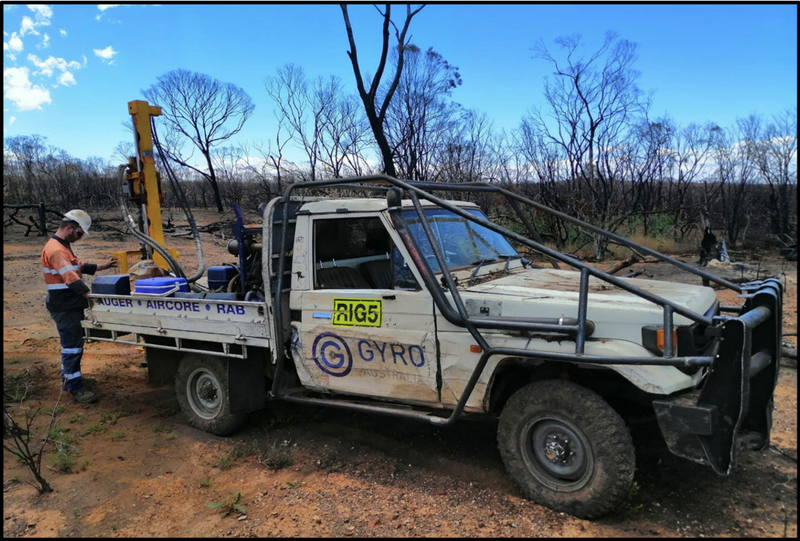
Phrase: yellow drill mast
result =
(144, 183)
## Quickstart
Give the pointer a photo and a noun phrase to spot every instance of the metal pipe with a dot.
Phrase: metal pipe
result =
(755, 317)
(668, 326)
(583, 301)
(655, 299)
(484, 187)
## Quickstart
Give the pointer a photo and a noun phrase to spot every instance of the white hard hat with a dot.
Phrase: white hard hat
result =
(81, 217)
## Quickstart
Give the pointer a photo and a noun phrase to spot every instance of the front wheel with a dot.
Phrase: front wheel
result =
(201, 386)
(566, 448)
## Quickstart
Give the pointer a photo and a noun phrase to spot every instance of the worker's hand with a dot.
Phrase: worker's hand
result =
(108, 264)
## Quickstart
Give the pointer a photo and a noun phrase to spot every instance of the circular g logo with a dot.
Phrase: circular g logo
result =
(332, 355)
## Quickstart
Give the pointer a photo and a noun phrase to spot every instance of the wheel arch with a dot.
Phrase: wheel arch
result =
(513, 373)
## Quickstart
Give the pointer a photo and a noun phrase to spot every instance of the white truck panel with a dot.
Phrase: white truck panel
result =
(458, 364)
(199, 319)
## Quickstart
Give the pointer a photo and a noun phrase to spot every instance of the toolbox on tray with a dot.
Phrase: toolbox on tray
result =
(220, 277)
(163, 286)
(112, 284)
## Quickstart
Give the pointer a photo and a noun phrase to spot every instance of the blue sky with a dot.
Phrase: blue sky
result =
(69, 70)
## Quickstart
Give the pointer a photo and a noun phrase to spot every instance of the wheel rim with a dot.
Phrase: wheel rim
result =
(557, 453)
(203, 390)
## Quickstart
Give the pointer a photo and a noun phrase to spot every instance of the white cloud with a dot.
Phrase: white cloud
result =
(14, 44)
(45, 42)
(41, 10)
(106, 54)
(46, 67)
(12, 120)
(42, 14)
(29, 25)
(103, 8)
(63, 32)
(18, 88)
(67, 79)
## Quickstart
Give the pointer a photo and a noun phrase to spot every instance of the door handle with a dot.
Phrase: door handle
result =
(389, 297)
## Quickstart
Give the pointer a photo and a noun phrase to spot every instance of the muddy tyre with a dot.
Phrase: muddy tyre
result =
(566, 448)
(201, 386)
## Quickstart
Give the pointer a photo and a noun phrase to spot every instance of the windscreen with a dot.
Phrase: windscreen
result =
(461, 241)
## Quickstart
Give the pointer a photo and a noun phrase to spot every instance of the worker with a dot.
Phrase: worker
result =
(68, 296)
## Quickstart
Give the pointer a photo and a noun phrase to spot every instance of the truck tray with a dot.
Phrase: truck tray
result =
(206, 320)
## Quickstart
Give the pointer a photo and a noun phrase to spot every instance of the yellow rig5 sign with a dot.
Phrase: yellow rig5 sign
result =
(357, 312)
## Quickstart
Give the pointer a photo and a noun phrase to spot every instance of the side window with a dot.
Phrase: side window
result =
(357, 253)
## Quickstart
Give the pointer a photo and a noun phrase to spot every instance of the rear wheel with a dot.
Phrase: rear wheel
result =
(201, 386)
(566, 448)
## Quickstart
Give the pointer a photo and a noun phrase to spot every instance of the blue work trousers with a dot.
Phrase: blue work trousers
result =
(71, 334)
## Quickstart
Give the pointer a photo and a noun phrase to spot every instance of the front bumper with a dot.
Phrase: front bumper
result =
(733, 408)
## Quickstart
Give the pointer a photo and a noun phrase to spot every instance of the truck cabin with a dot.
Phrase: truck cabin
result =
(363, 252)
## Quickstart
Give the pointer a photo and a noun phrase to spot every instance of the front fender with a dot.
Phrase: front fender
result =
(457, 366)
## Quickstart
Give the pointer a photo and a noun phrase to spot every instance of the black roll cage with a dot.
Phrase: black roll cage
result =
(578, 329)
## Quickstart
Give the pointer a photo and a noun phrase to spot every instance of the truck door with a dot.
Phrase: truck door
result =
(365, 326)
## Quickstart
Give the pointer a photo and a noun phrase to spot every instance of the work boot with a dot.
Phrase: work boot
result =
(89, 383)
(85, 397)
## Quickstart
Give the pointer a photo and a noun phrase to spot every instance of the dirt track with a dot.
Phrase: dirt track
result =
(139, 471)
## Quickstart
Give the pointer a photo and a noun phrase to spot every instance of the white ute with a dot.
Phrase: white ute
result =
(409, 299)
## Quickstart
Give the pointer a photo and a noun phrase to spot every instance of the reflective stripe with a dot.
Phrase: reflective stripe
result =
(71, 350)
(49, 271)
(72, 376)
(66, 268)
(57, 286)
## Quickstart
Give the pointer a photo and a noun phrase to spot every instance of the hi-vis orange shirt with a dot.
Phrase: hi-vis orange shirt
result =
(63, 276)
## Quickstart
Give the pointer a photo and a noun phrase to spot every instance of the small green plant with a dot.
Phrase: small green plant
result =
(57, 410)
(94, 428)
(21, 386)
(171, 435)
(223, 462)
(109, 418)
(629, 505)
(231, 505)
(79, 418)
(293, 484)
(84, 464)
(61, 435)
(244, 450)
(118, 435)
(76, 512)
(63, 461)
(206, 483)
(13, 361)
(276, 456)
(158, 428)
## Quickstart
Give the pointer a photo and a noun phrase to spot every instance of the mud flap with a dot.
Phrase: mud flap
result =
(247, 390)
(734, 408)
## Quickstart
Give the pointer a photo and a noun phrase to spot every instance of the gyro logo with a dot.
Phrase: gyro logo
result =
(332, 355)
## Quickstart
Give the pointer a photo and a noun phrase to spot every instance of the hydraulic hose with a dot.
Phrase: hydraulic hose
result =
(129, 221)
(181, 196)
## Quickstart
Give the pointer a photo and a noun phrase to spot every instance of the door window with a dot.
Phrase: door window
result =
(358, 253)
